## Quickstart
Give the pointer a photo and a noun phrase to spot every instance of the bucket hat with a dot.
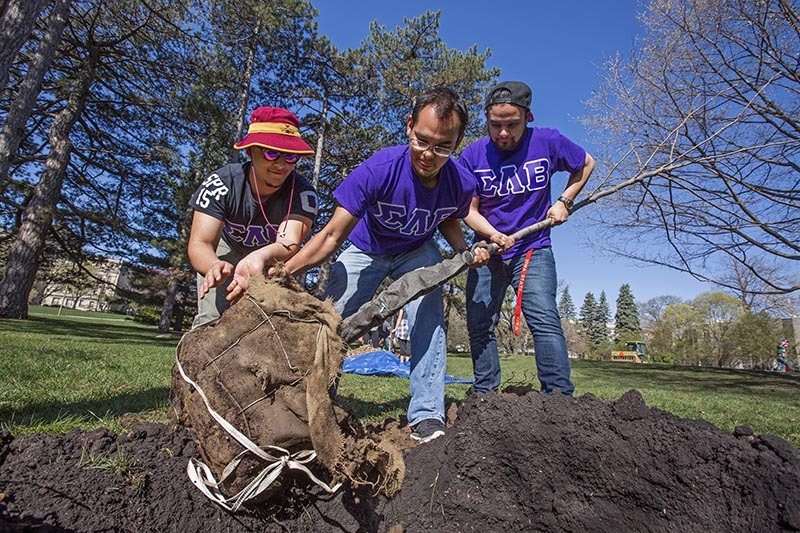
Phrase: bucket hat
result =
(275, 128)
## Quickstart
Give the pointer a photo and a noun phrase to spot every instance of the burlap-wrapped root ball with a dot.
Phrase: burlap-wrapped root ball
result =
(266, 368)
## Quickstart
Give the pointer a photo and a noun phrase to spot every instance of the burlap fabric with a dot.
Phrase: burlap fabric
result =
(267, 367)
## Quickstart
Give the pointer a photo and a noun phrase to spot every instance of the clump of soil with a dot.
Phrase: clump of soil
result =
(508, 463)
(137, 481)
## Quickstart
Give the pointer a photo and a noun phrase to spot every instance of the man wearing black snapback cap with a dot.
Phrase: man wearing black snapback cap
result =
(513, 167)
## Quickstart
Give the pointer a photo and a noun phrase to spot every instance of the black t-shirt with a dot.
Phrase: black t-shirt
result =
(227, 196)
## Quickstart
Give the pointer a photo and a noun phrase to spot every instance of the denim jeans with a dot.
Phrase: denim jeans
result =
(486, 288)
(355, 278)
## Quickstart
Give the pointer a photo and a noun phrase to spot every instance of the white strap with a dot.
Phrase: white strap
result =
(202, 477)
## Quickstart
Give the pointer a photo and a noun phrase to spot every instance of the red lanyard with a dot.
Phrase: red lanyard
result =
(519, 290)
(261, 206)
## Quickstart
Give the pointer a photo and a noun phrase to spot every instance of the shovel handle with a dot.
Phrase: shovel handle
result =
(524, 232)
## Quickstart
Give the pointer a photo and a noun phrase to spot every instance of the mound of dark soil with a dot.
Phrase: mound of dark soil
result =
(509, 463)
(536, 463)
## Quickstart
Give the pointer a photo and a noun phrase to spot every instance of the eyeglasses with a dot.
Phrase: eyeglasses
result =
(273, 155)
(422, 146)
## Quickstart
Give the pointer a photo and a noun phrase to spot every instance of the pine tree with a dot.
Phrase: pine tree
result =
(627, 316)
(565, 306)
(587, 315)
(99, 139)
(600, 320)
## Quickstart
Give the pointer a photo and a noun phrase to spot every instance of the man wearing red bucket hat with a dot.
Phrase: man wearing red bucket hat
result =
(389, 208)
(249, 215)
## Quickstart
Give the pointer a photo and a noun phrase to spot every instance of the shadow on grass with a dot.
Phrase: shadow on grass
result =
(366, 409)
(454, 393)
(49, 413)
(690, 378)
(101, 332)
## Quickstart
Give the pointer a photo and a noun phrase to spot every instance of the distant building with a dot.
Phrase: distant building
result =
(98, 292)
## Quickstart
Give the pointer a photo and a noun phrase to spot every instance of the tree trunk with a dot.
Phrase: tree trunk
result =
(20, 110)
(447, 298)
(244, 96)
(24, 254)
(178, 312)
(169, 305)
(16, 24)
(320, 144)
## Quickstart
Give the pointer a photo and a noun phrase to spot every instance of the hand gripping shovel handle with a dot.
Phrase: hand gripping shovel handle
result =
(415, 284)
(524, 232)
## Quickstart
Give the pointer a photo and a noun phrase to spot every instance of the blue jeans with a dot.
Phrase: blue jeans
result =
(355, 278)
(486, 288)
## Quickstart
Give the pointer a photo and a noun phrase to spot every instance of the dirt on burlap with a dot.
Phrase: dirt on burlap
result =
(508, 463)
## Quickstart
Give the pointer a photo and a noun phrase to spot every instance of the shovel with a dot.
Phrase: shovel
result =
(417, 283)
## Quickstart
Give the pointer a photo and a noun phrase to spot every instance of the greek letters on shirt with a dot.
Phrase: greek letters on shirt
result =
(212, 187)
(534, 175)
(250, 236)
(257, 236)
(418, 222)
(225, 195)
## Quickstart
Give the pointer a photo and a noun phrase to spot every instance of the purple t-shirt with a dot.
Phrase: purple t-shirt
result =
(397, 214)
(514, 187)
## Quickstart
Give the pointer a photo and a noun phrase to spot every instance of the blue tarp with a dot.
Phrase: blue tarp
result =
(383, 363)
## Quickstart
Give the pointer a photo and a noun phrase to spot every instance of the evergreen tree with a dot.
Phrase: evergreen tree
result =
(565, 306)
(587, 314)
(141, 101)
(16, 24)
(98, 141)
(600, 321)
(627, 316)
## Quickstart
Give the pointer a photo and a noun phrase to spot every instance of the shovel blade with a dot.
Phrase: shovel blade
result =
(405, 289)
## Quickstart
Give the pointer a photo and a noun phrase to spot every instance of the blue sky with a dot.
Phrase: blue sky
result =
(555, 47)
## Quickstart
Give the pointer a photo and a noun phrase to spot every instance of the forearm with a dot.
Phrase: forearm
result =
(324, 243)
(451, 231)
(578, 179)
(202, 255)
(319, 248)
(478, 222)
(272, 253)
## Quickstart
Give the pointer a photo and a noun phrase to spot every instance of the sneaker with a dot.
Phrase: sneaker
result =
(427, 430)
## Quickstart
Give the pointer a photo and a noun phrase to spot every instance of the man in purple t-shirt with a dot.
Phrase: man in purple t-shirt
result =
(389, 208)
(513, 167)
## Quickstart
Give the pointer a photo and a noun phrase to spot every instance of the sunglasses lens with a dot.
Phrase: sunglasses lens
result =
(273, 155)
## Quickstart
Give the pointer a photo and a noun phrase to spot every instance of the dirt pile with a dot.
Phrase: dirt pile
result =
(101, 481)
(509, 463)
(536, 463)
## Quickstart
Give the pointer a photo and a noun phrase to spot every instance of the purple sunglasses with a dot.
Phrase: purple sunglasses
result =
(273, 155)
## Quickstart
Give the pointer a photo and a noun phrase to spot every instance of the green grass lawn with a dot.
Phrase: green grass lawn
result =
(80, 370)
(87, 369)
